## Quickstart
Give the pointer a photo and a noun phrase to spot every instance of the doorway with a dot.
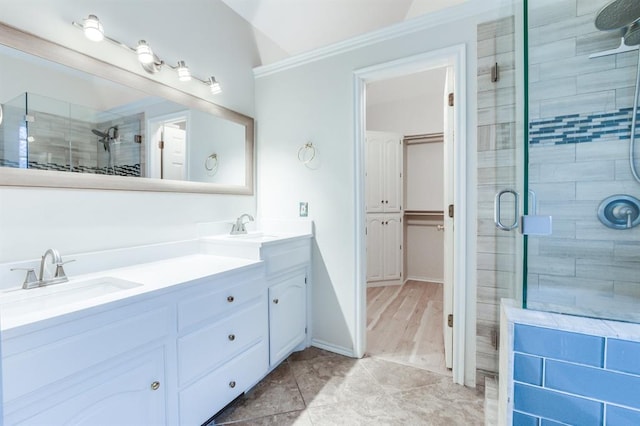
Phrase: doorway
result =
(404, 179)
(167, 156)
(454, 188)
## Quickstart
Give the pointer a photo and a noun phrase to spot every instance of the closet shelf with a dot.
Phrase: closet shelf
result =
(431, 213)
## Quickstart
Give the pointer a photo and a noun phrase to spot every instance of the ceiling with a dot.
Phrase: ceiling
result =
(288, 27)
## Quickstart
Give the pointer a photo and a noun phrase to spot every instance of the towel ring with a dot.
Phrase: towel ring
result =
(211, 163)
(304, 151)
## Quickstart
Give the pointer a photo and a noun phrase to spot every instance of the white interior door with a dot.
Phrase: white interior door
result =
(447, 310)
(173, 163)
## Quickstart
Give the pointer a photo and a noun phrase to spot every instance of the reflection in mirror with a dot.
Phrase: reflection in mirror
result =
(63, 120)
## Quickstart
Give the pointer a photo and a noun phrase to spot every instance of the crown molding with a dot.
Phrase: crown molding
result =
(441, 17)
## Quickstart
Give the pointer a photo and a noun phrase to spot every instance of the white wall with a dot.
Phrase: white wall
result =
(212, 40)
(315, 101)
(414, 116)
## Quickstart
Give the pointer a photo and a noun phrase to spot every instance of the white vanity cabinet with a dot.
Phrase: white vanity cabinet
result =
(106, 368)
(222, 345)
(287, 265)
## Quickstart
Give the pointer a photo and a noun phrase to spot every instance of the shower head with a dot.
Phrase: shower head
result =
(617, 14)
(632, 37)
(99, 133)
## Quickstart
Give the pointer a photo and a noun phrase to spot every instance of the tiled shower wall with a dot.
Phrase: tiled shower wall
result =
(580, 113)
(498, 251)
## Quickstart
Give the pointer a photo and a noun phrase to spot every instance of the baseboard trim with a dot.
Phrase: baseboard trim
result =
(332, 348)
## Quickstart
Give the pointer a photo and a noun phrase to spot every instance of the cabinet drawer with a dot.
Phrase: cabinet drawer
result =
(221, 300)
(281, 257)
(204, 349)
(210, 394)
(39, 366)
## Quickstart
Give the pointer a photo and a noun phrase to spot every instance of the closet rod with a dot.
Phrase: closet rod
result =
(424, 213)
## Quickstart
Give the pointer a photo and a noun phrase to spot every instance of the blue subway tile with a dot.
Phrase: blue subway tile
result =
(563, 345)
(556, 406)
(546, 422)
(527, 369)
(521, 419)
(623, 355)
(618, 416)
(596, 383)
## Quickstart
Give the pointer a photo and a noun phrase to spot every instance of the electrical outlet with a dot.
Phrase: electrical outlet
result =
(304, 209)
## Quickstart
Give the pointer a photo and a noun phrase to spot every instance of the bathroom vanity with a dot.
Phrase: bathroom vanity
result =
(165, 342)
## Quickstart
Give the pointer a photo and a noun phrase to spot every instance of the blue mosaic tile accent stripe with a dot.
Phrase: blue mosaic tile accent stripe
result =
(579, 128)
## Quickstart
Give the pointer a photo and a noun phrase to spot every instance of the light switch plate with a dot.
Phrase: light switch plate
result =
(304, 209)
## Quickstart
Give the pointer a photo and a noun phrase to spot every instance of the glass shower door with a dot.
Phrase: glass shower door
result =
(500, 177)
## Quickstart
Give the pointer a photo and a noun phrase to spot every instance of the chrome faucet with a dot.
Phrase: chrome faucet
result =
(239, 226)
(59, 276)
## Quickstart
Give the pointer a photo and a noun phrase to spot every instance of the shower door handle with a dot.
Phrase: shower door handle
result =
(497, 219)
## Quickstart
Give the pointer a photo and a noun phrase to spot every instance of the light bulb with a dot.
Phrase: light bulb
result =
(145, 54)
(93, 29)
(183, 71)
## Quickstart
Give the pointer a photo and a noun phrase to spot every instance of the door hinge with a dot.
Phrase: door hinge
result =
(450, 320)
(450, 99)
(495, 73)
(305, 279)
(450, 210)
(305, 330)
(161, 144)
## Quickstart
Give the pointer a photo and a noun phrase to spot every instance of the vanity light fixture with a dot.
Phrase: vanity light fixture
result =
(183, 71)
(94, 31)
(93, 28)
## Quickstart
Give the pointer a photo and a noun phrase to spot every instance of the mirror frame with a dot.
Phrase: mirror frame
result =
(45, 49)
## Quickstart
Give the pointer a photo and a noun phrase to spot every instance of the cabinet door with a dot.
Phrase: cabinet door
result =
(375, 244)
(287, 316)
(374, 175)
(123, 395)
(392, 160)
(392, 248)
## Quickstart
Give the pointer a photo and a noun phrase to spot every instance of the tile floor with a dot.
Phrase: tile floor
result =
(316, 387)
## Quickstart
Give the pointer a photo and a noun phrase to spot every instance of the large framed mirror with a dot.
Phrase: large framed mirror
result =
(74, 121)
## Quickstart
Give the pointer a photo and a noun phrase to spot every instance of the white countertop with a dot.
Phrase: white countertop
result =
(131, 273)
(153, 276)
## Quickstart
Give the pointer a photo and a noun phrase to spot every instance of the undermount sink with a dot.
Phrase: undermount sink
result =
(20, 302)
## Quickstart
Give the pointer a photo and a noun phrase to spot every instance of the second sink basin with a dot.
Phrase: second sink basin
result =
(22, 302)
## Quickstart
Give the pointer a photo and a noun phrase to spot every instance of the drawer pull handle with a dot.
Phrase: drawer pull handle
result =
(232, 337)
(230, 299)
(276, 301)
(232, 384)
(155, 385)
